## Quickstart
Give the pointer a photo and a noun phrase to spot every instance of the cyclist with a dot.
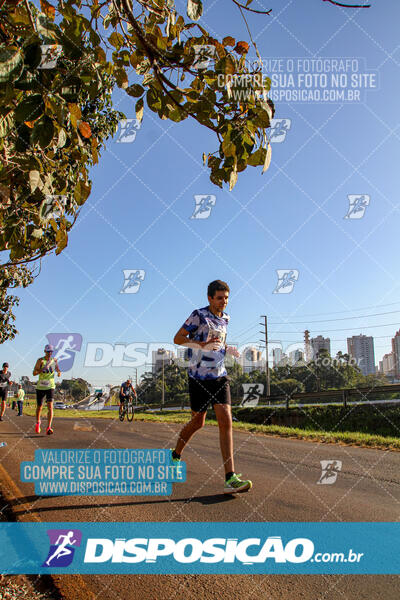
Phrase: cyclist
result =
(125, 391)
(45, 386)
(5, 382)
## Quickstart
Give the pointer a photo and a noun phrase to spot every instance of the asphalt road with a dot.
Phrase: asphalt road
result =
(284, 474)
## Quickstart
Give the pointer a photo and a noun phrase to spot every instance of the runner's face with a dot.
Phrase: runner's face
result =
(219, 302)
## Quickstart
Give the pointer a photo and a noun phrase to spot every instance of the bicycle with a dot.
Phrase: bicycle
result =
(127, 409)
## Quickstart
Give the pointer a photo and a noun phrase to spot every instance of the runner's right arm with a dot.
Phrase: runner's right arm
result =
(182, 339)
(37, 368)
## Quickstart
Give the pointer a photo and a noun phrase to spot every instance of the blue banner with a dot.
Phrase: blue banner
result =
(118, 472)
(208, 548)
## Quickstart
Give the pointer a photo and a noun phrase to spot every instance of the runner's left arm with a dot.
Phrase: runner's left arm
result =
(57, 368)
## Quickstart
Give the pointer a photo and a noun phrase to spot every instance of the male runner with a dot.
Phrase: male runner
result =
(5, 382)
(125, 391)
(45, 386)
(204, 333)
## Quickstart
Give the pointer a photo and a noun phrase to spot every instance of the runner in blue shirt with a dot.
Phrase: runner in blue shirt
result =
(204, 333)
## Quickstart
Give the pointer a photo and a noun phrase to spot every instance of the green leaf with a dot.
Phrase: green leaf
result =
(154, 100)
(233, 179)
(34, 180)
(139, 110)
(6, 124)
(116, 40)
(268, 156)
(194, 9)
(257, 158)
(30, 109)
(11, 63)
(43, 132)
(46, 28)
(135, 90)
(62, 138)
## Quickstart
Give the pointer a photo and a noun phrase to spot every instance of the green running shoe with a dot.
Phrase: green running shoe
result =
(235, 485)
(176, 461)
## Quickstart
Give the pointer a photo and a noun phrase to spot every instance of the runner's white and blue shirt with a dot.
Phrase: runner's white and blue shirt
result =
(203, 325)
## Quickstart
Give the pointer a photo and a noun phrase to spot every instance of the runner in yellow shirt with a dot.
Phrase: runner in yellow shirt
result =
(45, 367)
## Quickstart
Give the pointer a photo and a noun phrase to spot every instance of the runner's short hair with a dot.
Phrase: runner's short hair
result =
(217, 286)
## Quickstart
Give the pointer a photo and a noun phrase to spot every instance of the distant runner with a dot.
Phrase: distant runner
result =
(20, 401)
(125, 391)
(45, 387)
(204, 333)
(5, 382)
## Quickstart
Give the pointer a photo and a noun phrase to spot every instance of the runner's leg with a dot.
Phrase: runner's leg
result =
(197, 422)
(224, 417)
(3, 405)
(39, 404)
(49, 413)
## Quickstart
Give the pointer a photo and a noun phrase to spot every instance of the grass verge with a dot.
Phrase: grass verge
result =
(348, 438)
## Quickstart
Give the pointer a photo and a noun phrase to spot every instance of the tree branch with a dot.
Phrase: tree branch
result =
(346, 5)
(259, 12)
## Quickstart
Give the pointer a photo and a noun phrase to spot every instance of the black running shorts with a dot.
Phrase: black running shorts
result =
(42, 394)
(206, 392)
(3, 394)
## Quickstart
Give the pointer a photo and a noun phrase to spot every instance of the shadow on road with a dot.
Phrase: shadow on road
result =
(206, 500)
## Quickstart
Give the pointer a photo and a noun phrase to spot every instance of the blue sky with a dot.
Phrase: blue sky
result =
(292, 217)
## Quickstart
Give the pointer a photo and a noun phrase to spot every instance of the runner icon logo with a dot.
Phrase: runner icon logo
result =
(251, 394)
(286, 280)
(132, 280)
(204, 205)
(357, 206)
(62, 547)
(66, 345)
(50, 55)
(279, 129)
(128, 130)
(330, 470)
(203, 55)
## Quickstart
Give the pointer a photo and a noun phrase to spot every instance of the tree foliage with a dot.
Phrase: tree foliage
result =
(58, 67)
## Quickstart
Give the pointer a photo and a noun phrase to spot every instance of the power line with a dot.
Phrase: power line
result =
(344, 311)
(351, 329)
(339, 319)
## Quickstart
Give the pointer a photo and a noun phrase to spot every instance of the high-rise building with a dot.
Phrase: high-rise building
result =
(388, 365)
(361, 348)
(295, 357)
(251, 359)
(160, 357)
(396, 354)
(320, 343)
(276, 356)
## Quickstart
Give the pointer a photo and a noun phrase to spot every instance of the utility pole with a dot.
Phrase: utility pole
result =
(162, 392)
(267, 377)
